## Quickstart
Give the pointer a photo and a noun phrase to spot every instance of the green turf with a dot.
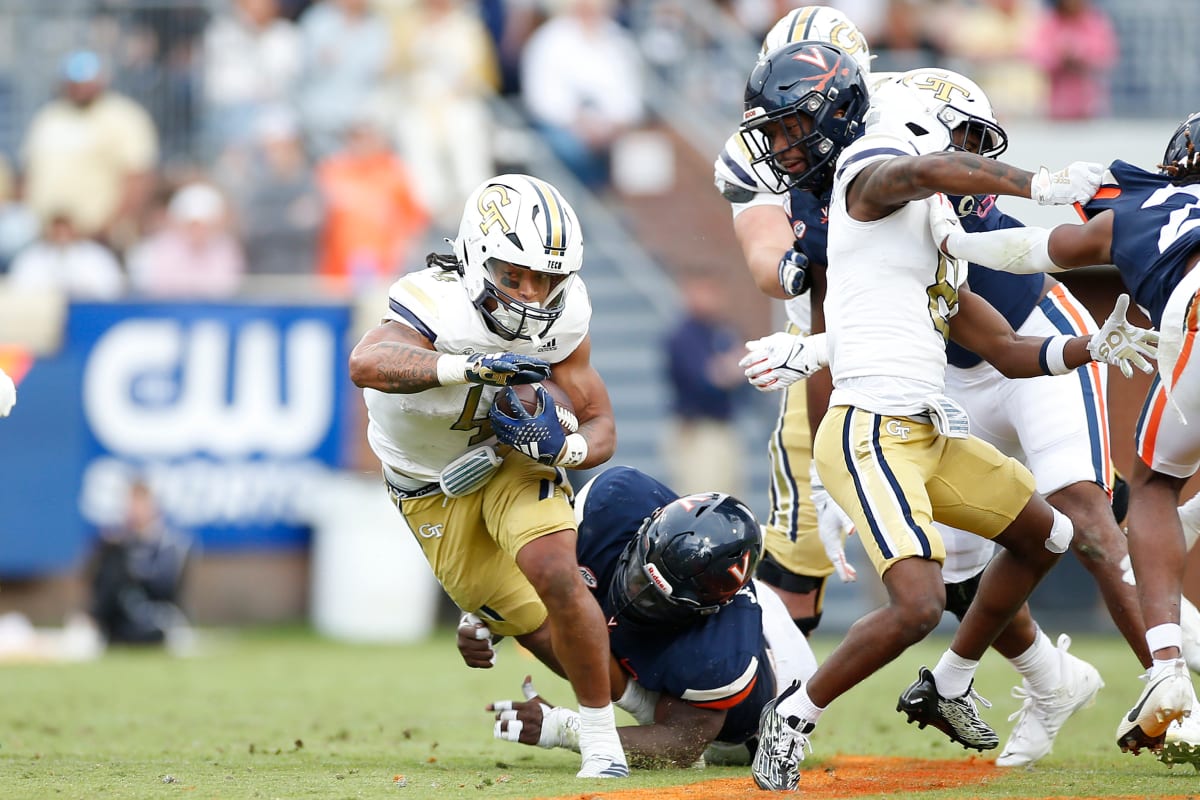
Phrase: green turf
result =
(270, 714)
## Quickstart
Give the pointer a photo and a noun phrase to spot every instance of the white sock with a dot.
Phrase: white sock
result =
(598, 731)
(1160, 665)
(1168, 634)
(1040, 665)
(800, 705)
(953, 675)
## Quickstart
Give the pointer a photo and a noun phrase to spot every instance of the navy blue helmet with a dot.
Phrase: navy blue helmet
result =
(689, 558)
(1182, 146)
(804, 103)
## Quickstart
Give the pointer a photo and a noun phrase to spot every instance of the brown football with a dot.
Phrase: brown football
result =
(527, 394)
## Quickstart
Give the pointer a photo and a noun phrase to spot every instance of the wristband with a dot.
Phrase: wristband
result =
(574, 451)
(451, 369)
(1052, 358)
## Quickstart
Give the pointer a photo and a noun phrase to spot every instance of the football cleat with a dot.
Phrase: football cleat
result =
(1167, 697)
(781, 744)
(958, 718)
(601, 765)
(1182, 743)
(1040, 717)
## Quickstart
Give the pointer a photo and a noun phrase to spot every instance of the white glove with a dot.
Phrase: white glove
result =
(833, 526)
(559, 725)
(779, 360)
(1075, 183)
(8, 394)
(1124, 345)
(943, 221)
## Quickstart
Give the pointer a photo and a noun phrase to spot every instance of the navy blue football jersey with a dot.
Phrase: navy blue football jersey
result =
(1014, 296)
(809, 215)
(719, 662)
(1156, 226)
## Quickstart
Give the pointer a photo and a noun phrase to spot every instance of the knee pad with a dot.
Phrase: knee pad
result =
(1061, 533)
(959, 595)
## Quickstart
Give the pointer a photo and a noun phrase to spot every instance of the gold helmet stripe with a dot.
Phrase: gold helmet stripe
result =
(802, 24)
(556, 217)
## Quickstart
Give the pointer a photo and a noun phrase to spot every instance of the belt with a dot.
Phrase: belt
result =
(405, 494)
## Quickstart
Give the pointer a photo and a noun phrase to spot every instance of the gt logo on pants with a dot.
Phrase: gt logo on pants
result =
(430, 531)
(897, 428)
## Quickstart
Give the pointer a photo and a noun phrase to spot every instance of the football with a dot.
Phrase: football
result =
(527, 394)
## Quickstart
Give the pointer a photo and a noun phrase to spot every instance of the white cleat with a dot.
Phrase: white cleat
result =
(1040, 717)
(1167, 697)
(1182, 743)
(600, 765)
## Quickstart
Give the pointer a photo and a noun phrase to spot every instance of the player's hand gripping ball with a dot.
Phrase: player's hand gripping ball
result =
(535, 419)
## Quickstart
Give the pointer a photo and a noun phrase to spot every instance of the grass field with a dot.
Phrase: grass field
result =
(284, 714)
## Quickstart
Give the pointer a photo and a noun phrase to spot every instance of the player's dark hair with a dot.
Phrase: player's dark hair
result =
(445, 261)
(1185, 170)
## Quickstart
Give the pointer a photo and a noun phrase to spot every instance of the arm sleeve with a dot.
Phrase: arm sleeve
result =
(1022, 251)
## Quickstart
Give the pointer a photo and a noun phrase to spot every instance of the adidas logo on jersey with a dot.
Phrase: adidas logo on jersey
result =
(549, 344)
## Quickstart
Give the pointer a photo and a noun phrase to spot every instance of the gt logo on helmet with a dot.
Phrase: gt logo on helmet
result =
(942, 89)
(490, 200)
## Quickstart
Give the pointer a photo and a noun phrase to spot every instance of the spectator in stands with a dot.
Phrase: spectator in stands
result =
(279, 205)
(989, 37)
(18, 225)
(905, 40)
(194, 255)
(64, 260)
(346, 53)
(252, 60)
(91, 154)
(446, 73)
(137, 574)
(1075, 44)
(581, 82)
(374, 216)
(703, 448)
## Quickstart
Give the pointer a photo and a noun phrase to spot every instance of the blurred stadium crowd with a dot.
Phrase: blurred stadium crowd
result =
(183, 148)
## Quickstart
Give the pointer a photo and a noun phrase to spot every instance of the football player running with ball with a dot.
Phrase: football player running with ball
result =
(484, 493)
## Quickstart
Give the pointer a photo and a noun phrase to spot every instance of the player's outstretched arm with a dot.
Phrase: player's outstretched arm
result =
(676, 738)
(1023, 250)
(883, 187)
(982, 329)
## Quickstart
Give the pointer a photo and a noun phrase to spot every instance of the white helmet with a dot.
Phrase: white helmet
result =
(924, 106)
(821, 24)
(522, 221)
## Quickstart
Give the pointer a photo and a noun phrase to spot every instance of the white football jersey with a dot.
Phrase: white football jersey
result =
(419, 434)
(890, 297)
(738, 183)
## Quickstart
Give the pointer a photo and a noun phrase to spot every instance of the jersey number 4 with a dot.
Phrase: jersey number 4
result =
(467, 421)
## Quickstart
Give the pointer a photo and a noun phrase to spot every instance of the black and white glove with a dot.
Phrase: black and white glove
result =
(539, 436)
(1074, 183)
(793, 272)
(779, 360)
(491, 369)
(1124, 345)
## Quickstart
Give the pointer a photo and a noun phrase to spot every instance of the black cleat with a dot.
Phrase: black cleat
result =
(957, 718)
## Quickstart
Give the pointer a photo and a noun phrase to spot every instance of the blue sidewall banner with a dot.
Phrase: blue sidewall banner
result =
(233, 412)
